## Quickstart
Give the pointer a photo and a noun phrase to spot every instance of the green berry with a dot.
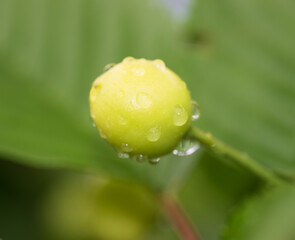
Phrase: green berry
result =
(141, 107)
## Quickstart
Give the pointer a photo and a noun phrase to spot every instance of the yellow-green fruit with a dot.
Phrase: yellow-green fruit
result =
(141, 107)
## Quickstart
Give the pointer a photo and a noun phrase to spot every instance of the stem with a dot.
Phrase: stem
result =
(242, 158)
(178, 218)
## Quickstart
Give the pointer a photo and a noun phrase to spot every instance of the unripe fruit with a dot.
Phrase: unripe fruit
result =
(141, 107)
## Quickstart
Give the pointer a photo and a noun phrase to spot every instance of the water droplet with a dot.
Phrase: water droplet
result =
(179, 115)
(128, 59)
(102, 134)
(143, 100)
(122, 120)
(196, 110)
(108, 67)
(186, 147)
(93, 94)
(93, 115)
(140, 158)
(93, 124)
(154, 160)
(123, 155)
(138, 71)
(154, 134)
(126, 148)
(121, 93)
(159, 64)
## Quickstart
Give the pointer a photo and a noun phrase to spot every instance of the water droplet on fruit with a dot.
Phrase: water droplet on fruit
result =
(180, 115)
(126, 148)
(93, 115)
(143, 100)
(102, 134)
(123, 155)
(138, 72)
(93, 94)
(154, 160)
(122, 120)
(154, 134)
(128, 59)
(108, 66)
(159, 64)
(121, 93)
(186, 147)
(140, 158)
(196, 110)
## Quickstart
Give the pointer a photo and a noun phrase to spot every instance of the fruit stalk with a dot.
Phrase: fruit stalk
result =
(239, 157)
(178, 218)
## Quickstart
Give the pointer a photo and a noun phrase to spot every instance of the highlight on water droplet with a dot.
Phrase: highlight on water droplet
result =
(93, 94)
(180, 115)
(123, 155)
(126, 148)
(153, 134)
(93, 115)
(128, 59)
(108, 66)
(154, 160)
(186, 147)
(196, 110)
(140, 158)
(159, 64)
(143, 100)
(138, 71)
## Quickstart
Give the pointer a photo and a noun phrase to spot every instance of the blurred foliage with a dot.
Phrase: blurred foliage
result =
(237, 57)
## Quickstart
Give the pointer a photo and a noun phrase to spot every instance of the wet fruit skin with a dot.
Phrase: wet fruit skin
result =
(141, 107)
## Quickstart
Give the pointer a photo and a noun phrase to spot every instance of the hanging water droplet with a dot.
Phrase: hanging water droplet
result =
(123, 155)
(140, 158)
(159, 64)
(128, 59)
(138, 72)
(154, 134)
(143, 100)
(186, 147)
(108, 66)
(125, 147)
(196, 110)
(102, 134)
(180, 115)
(154, 160)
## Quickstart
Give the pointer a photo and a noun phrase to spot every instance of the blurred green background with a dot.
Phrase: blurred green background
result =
(59, 180)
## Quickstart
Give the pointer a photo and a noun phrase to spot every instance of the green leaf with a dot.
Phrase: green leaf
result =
(240, 66)
(269, 216)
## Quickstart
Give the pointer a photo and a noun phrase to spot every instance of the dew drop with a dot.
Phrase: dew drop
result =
(138, 72)
(154, 134)
(126, 148)
(102, 134)
(154, 160)
(93, 94)
(159, 64)
(93, 115)
(179, 115)
(128, 59)
(122, 120)
(123, 155)
(196, 110)
(143, 100)
(108, 66)
(186, 147)
(140, 158)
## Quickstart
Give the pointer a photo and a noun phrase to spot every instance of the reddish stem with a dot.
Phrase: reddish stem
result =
(178, 218)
